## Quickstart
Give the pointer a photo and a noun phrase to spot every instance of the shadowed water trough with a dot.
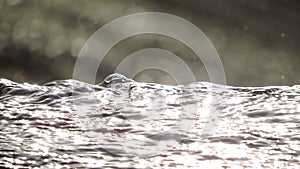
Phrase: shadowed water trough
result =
(125, 124)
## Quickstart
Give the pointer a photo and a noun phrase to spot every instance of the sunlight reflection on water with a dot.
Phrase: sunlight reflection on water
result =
(258, 127)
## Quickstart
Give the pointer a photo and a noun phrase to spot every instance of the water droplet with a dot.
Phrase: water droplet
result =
(115, 78)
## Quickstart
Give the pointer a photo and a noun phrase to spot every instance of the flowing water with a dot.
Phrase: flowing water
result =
(121, 123)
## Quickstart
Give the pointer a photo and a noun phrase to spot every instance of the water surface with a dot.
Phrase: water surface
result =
(121, 123)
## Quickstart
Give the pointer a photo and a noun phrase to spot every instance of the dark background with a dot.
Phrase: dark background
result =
(257, 40)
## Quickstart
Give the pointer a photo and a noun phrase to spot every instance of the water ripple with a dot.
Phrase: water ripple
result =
(40, 125)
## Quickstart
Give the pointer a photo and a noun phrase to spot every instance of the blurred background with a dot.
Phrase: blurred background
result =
(258, 41)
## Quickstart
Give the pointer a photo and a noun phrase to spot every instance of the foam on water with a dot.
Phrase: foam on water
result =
(121, 123)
